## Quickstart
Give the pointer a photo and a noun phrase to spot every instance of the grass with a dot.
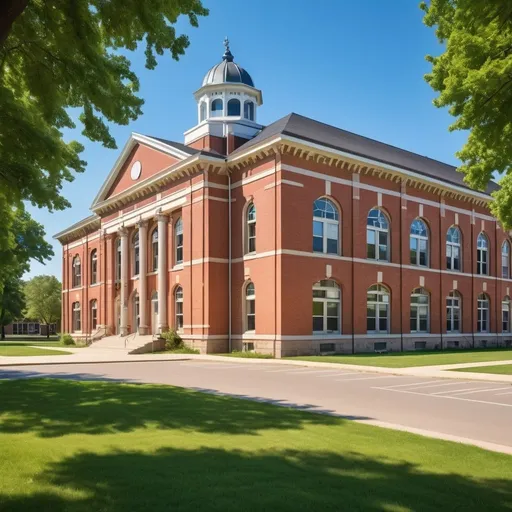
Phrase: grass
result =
(410, 359)
(504, 369)
(250, 355)
(38, 343)
(181, 350)
(21, 350)
(81, 446)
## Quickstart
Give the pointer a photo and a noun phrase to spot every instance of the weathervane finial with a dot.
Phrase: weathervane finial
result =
(228, 56)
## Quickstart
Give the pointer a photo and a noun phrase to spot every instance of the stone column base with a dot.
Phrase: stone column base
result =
(123, 331)
(143, 330)
(163, 328)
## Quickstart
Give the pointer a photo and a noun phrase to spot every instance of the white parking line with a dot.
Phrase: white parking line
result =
(366, 378)
(447, 397)
(481, 391)
(338, 374)
(457, 391)
(506, 393)
(415, 384)
(427, 386)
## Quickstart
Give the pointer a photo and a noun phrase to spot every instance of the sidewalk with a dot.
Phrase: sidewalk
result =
(91, 356)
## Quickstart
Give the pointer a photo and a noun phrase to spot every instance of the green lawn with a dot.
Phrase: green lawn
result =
(408, 359)
(19, 349)
(248, 355)
(504, 369)
(38, 343)
(102, 446)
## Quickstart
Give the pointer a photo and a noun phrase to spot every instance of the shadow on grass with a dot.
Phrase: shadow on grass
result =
(219, 480)
(54, 407)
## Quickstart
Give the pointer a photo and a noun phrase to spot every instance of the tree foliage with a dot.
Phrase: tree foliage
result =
(12, 302)
(474, 79)
(43, 299)
(60, 55)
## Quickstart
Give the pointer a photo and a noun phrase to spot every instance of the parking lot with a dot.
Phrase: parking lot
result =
(462, 409)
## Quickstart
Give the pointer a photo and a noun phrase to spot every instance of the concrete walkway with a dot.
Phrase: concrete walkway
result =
(97, 355)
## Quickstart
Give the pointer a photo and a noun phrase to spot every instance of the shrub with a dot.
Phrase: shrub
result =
(250, 355)
(66, 339)
(173, 340)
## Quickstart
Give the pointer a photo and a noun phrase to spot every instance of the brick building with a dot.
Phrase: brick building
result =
(292, 238)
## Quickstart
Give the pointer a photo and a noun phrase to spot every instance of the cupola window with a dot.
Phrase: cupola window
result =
(217, 106)
(249, 110)
(233, 107)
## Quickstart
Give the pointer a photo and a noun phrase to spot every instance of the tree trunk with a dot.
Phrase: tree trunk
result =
(3, 332)
(47, 331)
(9, 11)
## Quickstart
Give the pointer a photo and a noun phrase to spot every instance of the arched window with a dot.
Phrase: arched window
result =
(377, 309)
(154, 249)
(250, 308)
(94, 314)
(453, 316)
(419, 243)
(419, 310)
(325, 226)
(77, 325)
(233, 107)
(453, 259)
(250, 245)
(482, 324)
(249, 110)
(136, 254)
(178, 308)
(202, 111)
(216, 108)
(178, 241)
(118, 259)
(326, 307)
(482, 255)
(94, 266)
(377, 236)
(505, 260)
(77, 272)
(505, 314)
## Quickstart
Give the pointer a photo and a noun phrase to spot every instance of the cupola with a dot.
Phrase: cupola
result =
(226, 107)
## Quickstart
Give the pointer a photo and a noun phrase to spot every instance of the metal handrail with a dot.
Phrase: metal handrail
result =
(132, 335)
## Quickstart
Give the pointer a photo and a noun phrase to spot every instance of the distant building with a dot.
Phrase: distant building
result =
(29, 327)
(292, 238)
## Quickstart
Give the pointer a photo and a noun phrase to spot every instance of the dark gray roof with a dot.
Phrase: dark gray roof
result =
(227, 72)
(187, 149)
(310, 130)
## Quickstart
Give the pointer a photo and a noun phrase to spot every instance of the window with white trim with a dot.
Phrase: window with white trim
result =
(419, 243)
(505, 314)
(377, 309)
(419, 310)
(453, 249)
(77, 324)
(325, 227)
(234, 107)
(216, 109)
(482, 324)
(178, 308)
(154, 249)
(94, 314)
(250, 229)
(136, 254)
(94, 266)
(377, 236)
(249, 110)
(77, 272)
(482, 255)
(118, 259)
(453, 316)
(178, 242)
(326, 307)
(505, 260)
(250, 308)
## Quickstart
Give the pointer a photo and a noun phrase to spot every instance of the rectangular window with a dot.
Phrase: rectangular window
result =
(383, 246)
(505, 318)
(380, 346)
(370, 244)
(318, 236)
(327, 347)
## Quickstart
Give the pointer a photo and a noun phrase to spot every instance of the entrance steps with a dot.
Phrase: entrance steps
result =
(134, 343)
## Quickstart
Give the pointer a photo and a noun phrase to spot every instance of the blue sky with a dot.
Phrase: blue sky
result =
(356, 65)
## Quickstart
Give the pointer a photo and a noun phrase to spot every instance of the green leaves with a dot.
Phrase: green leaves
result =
(43, 299)
(474, 79)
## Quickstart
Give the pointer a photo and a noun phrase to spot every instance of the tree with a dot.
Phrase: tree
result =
(23, 242)
(59, 55)
(474, 79)
(12, 302)
(43, 300)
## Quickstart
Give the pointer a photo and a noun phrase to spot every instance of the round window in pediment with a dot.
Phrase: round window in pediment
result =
(136, 170)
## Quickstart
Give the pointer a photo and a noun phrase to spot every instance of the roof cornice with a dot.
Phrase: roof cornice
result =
(81, 228)
(231, 86)
(284, 143)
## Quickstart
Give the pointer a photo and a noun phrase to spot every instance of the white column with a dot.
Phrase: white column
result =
(143, 267)
(123, 233)
(162, 272)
